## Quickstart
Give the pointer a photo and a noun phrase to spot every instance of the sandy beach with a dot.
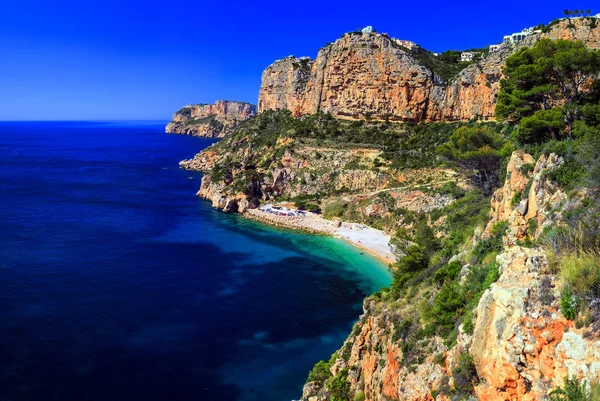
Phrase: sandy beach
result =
(369, 240)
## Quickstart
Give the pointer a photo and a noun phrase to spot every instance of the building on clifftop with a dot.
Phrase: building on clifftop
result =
(410, 45)
(518, 36)
(467, 56)
(367, 29)
(495, 48)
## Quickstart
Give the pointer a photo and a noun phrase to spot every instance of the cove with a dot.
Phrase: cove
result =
(118, 283)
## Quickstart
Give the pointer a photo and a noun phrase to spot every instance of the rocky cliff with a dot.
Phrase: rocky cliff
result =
(520, 347)
(368, 75)
(210, 120)
(274, 157)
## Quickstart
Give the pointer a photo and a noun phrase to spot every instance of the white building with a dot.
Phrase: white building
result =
(406, 43)
(495, 48)
(467, 56)
(367, 29)
(517, 37)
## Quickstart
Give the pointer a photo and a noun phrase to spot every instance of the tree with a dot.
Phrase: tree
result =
(566, 12)
(541, 126)
(476, 148)
(547, 75)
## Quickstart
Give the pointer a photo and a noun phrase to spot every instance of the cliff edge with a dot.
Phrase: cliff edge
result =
(210, 120)
(370, 75)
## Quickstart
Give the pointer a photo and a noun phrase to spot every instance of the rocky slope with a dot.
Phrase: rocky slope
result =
(367, 75)
(521, 346)
(210, 120)
(478, 315)
(251, 167)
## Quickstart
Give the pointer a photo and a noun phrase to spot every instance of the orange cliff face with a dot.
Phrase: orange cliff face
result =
(358, 76)
(367, 75)
(210, 120)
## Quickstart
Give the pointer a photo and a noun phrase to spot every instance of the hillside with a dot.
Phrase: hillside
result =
(488, 184)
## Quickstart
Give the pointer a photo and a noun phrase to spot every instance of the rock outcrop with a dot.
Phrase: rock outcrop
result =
(368, 75)
(305, 172)
(374, 363)
(210, 120)
(586, 30)
(523, 346)
(528, 198)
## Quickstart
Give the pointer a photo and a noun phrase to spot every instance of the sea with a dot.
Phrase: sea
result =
(118, 283)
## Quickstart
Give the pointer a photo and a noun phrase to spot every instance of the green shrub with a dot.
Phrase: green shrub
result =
(487, 246)
(402, 329)
(338, 386)
(448, 272)
(517, 197)
(581, 272)
(568, 303)
(527, 168)
(569, 175)
(447, 306)
(572, 390)
(335, 209)
(465, 374)
(359, 396)
(440, 359)
(467, 322)
(320, 372)
(532, 226)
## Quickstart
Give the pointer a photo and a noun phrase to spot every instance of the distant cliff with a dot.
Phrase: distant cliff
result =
(210, 120)
(368, 75)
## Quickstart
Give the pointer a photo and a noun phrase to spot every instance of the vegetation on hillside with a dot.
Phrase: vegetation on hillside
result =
(447, 65)
(551, 104)
(550, 90)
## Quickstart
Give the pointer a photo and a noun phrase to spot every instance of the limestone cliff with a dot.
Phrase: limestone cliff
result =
(268, 159)
(369, 75)
(521, 345)
(210, 120)
(528, 201)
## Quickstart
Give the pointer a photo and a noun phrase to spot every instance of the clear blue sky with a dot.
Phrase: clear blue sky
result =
(127, 59)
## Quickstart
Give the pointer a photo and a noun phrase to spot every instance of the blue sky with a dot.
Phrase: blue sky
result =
(107, 59)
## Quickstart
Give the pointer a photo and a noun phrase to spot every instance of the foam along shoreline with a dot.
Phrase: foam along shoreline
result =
(369, 240)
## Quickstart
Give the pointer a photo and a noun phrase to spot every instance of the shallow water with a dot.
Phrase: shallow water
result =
(116, 282)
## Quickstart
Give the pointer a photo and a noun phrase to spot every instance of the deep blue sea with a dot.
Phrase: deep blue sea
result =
(118, 283)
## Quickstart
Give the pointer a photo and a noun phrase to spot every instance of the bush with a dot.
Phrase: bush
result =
(542, 126)
(568, 303)
(489, 245)
(532, 227)
(320, 372)
(447, 306)
(359, 396)
(527, 168)
(338, 386)
(465, 374)
(572, 390)
(581, 273)
(335, 209)
(448, 272)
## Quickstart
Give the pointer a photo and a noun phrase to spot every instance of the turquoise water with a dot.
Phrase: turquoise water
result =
(118, 283)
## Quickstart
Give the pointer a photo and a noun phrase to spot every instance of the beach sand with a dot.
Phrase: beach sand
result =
(369, 240)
